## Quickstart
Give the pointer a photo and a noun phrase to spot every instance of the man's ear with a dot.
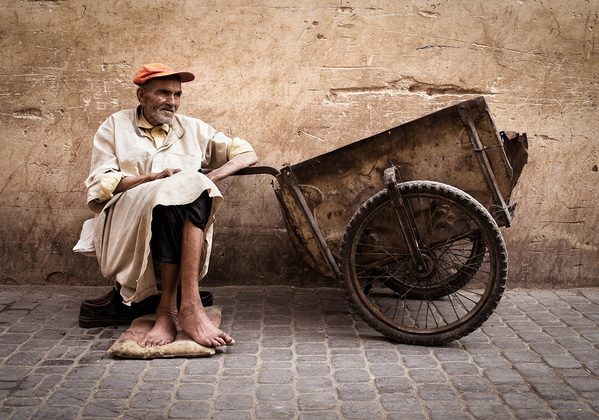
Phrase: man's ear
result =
(141, 96)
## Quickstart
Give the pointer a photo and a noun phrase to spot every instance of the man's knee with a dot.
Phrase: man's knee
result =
(167, 226)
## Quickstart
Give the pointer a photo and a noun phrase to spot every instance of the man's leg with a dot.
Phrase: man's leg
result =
(165, 327)
(192, 316)
(167, 225)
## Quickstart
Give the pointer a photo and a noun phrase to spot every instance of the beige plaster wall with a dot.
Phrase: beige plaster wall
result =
(297, 78)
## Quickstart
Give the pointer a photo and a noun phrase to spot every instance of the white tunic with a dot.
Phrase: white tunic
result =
(122, 230)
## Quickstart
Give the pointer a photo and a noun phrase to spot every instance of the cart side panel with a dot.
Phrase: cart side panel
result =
(299, 233)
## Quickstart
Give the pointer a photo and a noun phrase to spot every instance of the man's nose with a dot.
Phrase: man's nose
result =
(170, 99)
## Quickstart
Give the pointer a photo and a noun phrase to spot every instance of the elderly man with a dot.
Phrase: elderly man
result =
(154, 204)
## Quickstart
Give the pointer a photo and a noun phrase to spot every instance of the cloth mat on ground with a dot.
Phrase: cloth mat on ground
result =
(126, 345)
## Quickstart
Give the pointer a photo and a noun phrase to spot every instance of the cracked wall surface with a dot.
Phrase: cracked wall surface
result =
(297, 78)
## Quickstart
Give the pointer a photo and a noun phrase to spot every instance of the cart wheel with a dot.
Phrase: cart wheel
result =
(465, 256)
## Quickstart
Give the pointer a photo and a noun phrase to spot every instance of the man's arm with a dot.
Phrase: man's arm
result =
(237, 163)
(129, 182)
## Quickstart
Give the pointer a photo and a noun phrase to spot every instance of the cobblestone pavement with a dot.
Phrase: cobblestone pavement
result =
(301, 354)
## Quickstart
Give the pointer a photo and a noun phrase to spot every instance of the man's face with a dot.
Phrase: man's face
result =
(160, 98)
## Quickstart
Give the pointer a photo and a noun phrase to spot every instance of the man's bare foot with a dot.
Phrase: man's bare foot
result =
(163, 332)
(195, 322)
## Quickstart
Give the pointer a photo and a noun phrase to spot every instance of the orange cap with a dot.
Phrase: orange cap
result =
(149, 71)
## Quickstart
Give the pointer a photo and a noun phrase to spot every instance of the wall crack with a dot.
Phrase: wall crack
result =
(406, 85)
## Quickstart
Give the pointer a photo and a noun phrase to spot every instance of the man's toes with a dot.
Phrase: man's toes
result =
(149, 343)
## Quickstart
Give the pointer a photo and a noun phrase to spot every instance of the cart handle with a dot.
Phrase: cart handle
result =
(252, 170)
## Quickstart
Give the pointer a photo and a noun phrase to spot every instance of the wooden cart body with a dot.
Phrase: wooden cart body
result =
(459, 146)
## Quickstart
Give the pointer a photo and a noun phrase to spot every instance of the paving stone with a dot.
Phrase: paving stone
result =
(278, 365)
(484, 410)
(119, 382)
(78, 384)
(228, 415)
(534, 414)
(161, 374)
(145, 414)
(484, 349)
(501, 376)
(588, 384)
(107, 394)
(105, 408)
(276, 355)
(314, 369)
(534, 369)
(382, 357)
(276, 376)
(487, 361)
(189, 410)
(360, 410)
(195, 391)
(275, 410)
(356, 392)
(275, 393)
(241, 362)
(524, 401)
(352, 375)
(451, 355)
(436, 392)
(60, 412)
(279, 342)
(443, 406)
(390, 385)
(69, 396)
(22, 401)
(460, 368)
(277, 331)
(225, 373)
(555, 391)
(447, 414)
(87, 373)
(319, 415)
(387, 370)
(547, 349)
(236, 385)
(168, 362)
(317, 402)
(202, 367)
(420, 362)
(471, 383)
(312, 385)
(427, 376)
(14, 338)
(346, 361)
(6, 351)
(245, 348)
(564, 361)
(156, 386)
(151, 400)
(515, 356)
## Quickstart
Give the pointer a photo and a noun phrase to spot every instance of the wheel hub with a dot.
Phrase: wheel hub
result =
(425, 271)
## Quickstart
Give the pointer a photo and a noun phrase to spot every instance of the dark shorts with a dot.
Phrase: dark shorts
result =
(167, 227)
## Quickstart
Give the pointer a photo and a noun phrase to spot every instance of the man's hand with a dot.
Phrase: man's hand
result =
(165, 174)
(129, 182)
(238, 163)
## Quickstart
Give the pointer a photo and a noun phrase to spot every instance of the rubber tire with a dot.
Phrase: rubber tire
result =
(495, 256)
